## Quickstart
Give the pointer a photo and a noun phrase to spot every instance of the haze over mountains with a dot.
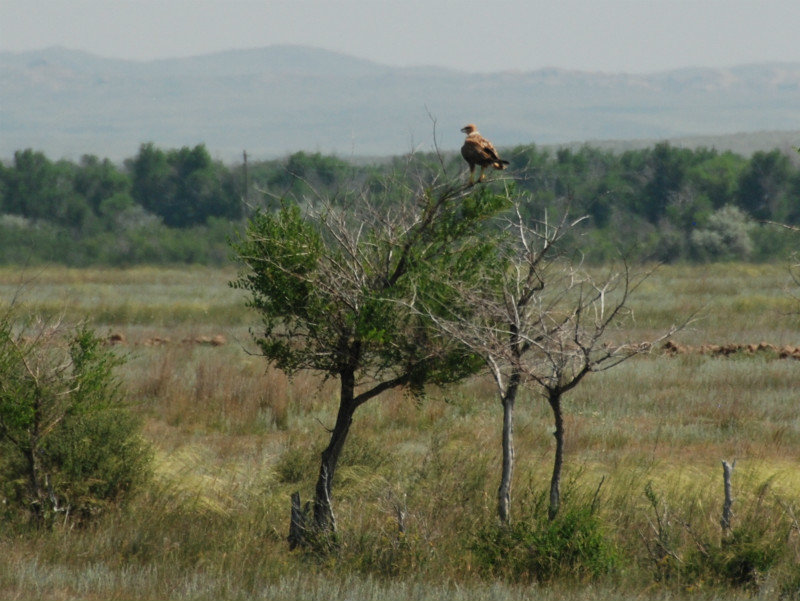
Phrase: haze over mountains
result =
(281, 99)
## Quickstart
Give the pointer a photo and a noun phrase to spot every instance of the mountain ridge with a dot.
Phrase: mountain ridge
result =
(279, 99)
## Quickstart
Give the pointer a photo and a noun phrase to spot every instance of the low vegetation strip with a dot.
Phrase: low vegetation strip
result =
(118, 338)
(785, 351)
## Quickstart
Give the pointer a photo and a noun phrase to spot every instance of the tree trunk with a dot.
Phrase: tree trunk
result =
(36, 485)
(297, 523)
(504, 491)
(324, 520)
(554, 398)
(35, 470)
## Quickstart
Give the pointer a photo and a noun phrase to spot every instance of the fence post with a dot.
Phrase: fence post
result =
(725, 521)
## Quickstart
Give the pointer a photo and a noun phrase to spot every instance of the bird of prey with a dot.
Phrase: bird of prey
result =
(477, 150)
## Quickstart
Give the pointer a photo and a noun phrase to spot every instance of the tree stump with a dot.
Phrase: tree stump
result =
(297, 523)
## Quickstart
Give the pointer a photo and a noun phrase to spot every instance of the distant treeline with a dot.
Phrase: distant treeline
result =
(181, 206)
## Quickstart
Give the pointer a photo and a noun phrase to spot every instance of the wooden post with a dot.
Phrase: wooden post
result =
(297, 524)
(725, 521)
(401, 519)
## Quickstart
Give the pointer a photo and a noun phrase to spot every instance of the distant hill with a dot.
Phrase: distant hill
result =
(280, 99)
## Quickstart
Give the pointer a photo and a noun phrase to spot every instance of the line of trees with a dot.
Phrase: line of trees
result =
(176, 206)
(179, 206)
(673, 203)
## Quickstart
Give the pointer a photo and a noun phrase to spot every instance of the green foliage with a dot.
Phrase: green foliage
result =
(332, 294)
(303, 174)
(336, 292)
(790, 587)
(37, 188)
(572, 546)
(68, 443)
(184, 187)
(283, 252)
(667, 169)
(132, 237)
(762, 187)
(651, 201)
(740, 560)
(295, 464)
(97, 181)
(726, 236)
(716, 177)
(693, 554)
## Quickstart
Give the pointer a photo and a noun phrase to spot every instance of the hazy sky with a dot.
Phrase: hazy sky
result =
(597, 35)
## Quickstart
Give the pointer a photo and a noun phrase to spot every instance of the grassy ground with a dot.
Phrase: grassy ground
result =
(233, 439)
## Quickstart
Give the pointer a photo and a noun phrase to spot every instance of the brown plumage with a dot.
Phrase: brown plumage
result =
(477, 150)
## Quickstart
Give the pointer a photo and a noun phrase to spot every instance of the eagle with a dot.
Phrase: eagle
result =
(477, 150)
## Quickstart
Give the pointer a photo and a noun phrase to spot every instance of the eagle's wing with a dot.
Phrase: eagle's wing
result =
(478, 149)
(487, 148)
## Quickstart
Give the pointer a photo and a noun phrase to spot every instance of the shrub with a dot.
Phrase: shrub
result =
(790, 588)
(740, 560)
(725, 237)
(542, 550)
(295, 464)
(67, 443)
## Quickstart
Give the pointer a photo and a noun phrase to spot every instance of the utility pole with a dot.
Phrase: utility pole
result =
(245, 175)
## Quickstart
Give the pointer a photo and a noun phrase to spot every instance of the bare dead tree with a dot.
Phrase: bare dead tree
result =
(571, 341)
(505, 303)
(540, 319)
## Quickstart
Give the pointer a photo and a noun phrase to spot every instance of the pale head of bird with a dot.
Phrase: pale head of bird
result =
(470, 128)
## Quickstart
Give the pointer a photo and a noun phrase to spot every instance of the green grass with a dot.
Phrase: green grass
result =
(139, 296)
(234, 439)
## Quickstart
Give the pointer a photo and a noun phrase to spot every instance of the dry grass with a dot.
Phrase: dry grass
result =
(233, 439)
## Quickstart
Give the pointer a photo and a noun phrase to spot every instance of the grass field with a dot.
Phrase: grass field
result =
(233, 439)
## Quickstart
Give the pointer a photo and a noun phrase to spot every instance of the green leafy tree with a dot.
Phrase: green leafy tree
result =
(184, 187)
(667, 167)
(98, 180)
(39, 189)
(763, 187)
(151, 178)
(68, 443)
(717, 177)
(308, 174)
(334, 290)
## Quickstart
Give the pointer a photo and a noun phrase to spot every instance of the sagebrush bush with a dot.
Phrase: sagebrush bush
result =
(68, 445)
(725, 237)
